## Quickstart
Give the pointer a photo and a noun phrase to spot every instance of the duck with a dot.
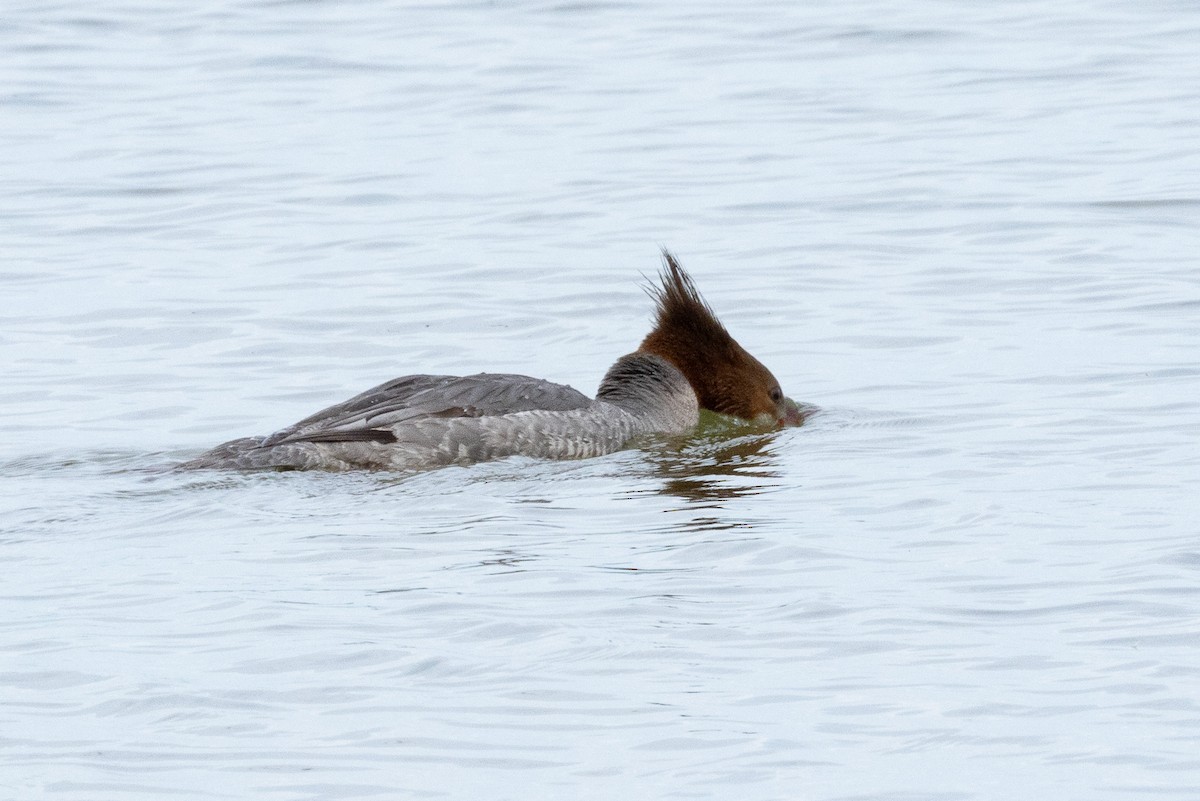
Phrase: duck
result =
(688, 362)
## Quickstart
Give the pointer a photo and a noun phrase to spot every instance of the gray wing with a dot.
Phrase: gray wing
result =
(369, 417)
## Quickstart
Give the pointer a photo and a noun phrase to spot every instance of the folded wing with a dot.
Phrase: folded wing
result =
(370, 416)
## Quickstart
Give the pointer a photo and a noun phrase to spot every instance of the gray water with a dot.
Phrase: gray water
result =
(966, 232)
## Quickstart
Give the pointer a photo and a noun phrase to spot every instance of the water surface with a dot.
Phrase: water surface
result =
(967, 234)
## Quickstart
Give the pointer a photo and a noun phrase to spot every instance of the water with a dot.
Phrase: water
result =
(966, 233)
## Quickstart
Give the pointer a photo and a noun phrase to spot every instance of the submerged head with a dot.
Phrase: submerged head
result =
(725, 377)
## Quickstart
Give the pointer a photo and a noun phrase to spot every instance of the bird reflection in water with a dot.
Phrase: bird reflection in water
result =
(718, 462)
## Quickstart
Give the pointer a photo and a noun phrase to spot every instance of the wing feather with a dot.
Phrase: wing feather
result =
(371, 415)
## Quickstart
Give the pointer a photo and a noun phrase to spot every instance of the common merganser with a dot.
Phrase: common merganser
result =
(687, 363)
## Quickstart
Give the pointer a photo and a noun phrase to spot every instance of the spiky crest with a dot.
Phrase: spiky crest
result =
(725, 377)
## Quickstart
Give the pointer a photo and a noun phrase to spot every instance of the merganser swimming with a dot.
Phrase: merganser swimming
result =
(687, 363)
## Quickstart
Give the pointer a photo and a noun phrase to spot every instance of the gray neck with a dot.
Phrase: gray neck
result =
(651, 388)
